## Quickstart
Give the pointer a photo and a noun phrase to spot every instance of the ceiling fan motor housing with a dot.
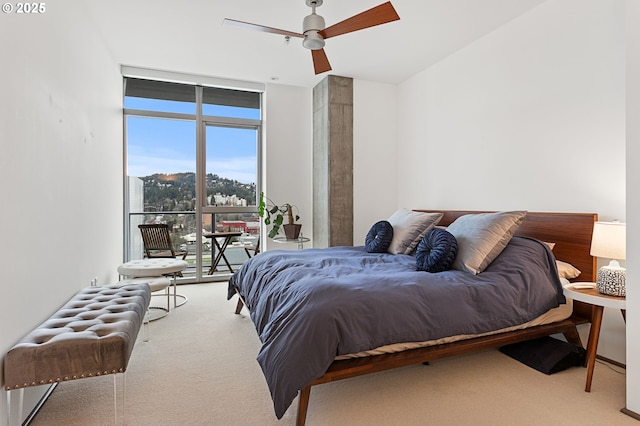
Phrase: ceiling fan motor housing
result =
(311, 25)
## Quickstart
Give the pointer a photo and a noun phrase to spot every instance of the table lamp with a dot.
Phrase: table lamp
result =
(609, 241)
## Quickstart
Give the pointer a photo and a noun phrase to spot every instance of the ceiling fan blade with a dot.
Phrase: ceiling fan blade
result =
(262, 28)
(320, 61)
(369, 18)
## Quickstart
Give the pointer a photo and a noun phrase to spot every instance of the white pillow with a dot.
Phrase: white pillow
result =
(408, 229)
(481, 238)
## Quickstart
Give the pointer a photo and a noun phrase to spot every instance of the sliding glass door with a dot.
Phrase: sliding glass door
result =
(230, 167)
(192, 156)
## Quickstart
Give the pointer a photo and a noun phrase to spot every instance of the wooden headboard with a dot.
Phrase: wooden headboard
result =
(571, 233)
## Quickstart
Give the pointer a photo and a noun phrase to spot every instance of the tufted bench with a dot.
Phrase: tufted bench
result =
(93, 334)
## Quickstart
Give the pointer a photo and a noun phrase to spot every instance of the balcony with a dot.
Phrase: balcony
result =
(201, 251)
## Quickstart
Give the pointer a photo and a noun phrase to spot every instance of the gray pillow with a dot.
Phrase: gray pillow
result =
(408, 229)
(481, 238)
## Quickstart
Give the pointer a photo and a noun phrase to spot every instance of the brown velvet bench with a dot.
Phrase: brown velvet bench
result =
(93, 334)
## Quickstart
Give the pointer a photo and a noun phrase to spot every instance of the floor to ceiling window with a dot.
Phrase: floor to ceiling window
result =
(192, 162)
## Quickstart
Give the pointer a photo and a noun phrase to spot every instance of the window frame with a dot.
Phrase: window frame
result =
(201, 122)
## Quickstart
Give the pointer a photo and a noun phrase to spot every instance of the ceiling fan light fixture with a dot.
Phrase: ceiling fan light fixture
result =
(312, 40)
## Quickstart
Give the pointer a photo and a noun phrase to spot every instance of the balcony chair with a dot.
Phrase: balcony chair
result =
(157, 241)
(254, 248)
(157, 244)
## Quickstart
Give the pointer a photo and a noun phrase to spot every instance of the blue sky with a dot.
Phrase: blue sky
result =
(157, 145)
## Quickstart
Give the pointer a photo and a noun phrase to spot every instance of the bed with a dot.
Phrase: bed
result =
(325, 314)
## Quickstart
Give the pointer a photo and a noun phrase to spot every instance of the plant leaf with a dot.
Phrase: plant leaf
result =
(261, 205)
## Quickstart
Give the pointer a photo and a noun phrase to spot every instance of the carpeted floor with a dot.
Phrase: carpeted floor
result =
(199, 368)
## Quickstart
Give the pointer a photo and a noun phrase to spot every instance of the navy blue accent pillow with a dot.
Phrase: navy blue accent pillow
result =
(437, 251)
(379, 237)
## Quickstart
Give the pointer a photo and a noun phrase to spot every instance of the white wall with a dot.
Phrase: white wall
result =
(633, 202)
(289, 153)
(531, 116)
(374, 155)
(552, 80)
(288, 150)
(60, 167)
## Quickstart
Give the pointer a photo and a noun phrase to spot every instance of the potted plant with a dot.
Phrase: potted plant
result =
(273, 215)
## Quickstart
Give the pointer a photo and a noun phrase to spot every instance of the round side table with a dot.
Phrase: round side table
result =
(155, 284)
(300, 240)
(156, 267)
(589, 294)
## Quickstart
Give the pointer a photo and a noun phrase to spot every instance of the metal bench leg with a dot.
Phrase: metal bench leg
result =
(18, 415)
(145, 325)
(8, 408)
(115, 398)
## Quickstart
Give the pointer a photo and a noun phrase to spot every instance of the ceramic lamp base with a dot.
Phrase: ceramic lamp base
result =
(611, 281)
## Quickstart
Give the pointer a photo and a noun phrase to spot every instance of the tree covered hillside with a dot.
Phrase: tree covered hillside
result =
(177, 192)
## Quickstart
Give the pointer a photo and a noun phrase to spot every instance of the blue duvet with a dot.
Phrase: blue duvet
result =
(309, 306)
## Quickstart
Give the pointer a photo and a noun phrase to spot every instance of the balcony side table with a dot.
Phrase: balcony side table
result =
(598, 302)
(227, 236)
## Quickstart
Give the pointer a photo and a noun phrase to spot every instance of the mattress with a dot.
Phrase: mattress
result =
(559, 313)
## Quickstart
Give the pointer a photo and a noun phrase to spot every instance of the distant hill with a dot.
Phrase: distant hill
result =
(177, 192)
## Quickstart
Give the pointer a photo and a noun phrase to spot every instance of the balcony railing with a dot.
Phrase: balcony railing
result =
(183, 230)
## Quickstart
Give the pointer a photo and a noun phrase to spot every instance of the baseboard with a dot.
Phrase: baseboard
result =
(612, 362)
(39, 405)
(630, 413)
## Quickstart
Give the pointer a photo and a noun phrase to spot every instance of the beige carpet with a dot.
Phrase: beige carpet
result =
(199, 368)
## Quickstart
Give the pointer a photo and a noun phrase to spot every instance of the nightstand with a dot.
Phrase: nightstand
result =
(598, 302)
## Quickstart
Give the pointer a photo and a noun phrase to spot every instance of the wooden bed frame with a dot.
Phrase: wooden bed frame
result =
(571, 233)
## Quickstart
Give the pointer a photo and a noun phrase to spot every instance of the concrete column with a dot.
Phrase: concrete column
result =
(333, 162)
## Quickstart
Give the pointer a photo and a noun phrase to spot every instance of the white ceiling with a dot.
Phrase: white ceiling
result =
(188, 36)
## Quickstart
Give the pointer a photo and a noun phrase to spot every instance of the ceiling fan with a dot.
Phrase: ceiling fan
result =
(314, 32)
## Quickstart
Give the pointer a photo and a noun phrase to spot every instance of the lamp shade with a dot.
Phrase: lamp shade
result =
(609, 240)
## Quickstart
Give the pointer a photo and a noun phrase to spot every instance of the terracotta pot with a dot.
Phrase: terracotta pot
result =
(292, 231)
